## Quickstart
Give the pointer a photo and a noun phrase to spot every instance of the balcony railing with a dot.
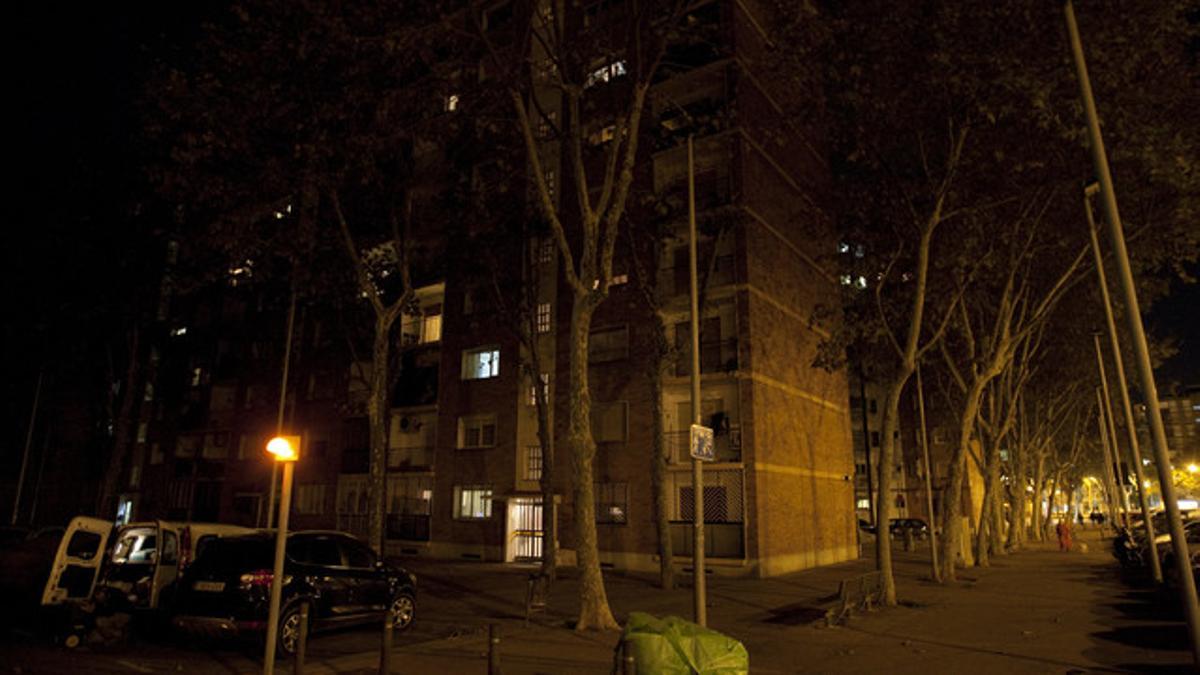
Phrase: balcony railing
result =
(411, 458)
(728, 446)
(716, 356)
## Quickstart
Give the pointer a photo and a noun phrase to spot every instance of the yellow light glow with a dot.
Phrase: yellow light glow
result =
(1193, 468)
(284, 448)
(1146, 483)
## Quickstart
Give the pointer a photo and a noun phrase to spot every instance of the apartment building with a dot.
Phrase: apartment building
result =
(464, 461)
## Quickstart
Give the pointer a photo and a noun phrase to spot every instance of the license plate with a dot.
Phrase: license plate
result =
(210, 586)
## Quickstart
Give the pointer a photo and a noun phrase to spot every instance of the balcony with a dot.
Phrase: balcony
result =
(728, 446)
(716, 356)
(676, 280)
(412, 458)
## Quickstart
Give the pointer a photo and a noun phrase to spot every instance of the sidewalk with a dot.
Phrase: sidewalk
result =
(1037, 611)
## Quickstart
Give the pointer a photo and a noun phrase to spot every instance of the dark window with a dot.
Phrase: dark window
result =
(874, 439)
(320, 551)
(83, 545)
(358, 555)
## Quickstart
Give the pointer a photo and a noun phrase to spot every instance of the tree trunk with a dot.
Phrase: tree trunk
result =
(887, 450)
(594, 612)
(952, 504)
(1016, 527)
(658, 480)
(1050, 503)
(1039, 480)
(983, 538)
(123, 425)
(377, 410)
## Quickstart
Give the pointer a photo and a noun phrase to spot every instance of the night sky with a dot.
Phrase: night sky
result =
(76, 70)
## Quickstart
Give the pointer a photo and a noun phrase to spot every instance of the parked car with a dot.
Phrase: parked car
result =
(226, 591)
(899, 526)
(147, 558)
(1166, 553)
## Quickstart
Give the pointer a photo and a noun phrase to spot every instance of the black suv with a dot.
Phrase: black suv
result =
(227, 590)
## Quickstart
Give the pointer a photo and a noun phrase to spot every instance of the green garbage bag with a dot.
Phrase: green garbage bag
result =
(672, 645)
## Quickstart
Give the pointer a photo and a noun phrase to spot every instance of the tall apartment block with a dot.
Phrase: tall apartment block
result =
(464, 459)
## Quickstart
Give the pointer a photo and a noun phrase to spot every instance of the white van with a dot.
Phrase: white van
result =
(147, 557)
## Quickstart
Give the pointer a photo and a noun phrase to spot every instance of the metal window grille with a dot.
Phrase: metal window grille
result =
(723, 496)
(533, 462)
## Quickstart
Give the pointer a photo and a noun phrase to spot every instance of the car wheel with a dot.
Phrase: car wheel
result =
(403, 609)
(288, 638)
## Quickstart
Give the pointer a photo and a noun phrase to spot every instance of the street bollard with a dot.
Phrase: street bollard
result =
(493, 649)
(301, 640)
(385, 649)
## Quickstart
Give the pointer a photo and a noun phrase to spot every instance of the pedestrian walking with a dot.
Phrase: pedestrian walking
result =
(1063, 530)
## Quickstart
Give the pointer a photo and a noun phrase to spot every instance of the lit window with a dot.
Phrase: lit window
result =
(477, 431)
(472, 502)
(197, 376)
(431, 331)
(546, 250)
(846, 279)
(863, 504)
(550, 181)
(547, 123)
(141, 432)
(543, 317)
(619, 279)
(605, 73)
(481, 363)
(450, 103)
(176, 332)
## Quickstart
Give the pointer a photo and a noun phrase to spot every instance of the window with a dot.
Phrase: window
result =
(450, 103)
(477, 431)
(546, 250)
(609, 423)
(310, 499)
(612, 503)
(873, 407)
(357, 555)
(550, 182)
(431, 328)
(874, 439)
(545, 378)
(481, 363)
(863, 504)
(605, 73)
(197, 376)
(543, 317)
(141, 432)
(608, 344)
(548, 121)
(533, 463)
(472, 502)
(149, 393)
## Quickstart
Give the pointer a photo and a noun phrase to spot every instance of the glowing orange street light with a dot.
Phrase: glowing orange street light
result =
(286, 450)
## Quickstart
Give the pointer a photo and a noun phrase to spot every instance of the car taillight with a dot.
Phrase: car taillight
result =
(257, 578)
(261, 579)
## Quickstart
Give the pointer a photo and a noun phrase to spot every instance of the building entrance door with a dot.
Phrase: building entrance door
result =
(524, 543)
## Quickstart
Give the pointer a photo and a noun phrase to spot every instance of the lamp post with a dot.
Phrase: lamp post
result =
(1162, 456)
(285, 450)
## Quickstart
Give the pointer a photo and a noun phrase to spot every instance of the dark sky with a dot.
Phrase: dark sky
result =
(76, 70)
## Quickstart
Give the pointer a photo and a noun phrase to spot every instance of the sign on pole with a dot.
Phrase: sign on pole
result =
(702, 445)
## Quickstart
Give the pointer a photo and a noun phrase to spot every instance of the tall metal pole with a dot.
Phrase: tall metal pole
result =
(1110, 488)
(1115, 345)
(1162, 455)
(285, 501)
(287, 361)
(1112, 430)
(699, 599)
(866, 424)
(933, 552)
(37, 395)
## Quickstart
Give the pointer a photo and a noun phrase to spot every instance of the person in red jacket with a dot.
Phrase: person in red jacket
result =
(1063, 530)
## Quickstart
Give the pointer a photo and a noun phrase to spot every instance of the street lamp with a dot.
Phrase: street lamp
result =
(286, 450)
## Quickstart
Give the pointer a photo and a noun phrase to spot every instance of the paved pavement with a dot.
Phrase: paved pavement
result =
(1038, 611)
